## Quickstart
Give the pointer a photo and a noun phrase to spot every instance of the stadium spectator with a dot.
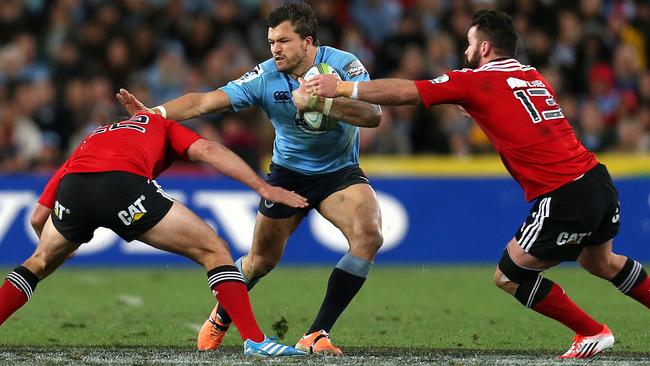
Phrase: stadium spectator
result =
(62, 40)
(322, 165)
(109, 181)
(576, 211)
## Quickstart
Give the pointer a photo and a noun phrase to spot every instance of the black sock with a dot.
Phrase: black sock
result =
(341, 288)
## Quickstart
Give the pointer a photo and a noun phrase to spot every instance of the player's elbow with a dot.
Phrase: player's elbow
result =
(201, 150)
(374, 117)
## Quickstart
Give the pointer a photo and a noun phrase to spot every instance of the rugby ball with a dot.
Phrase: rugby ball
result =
(316, 120)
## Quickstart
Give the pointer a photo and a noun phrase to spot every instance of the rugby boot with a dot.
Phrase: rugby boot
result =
(589, 346)
(269, 347)
(212, 332)
(319, 343)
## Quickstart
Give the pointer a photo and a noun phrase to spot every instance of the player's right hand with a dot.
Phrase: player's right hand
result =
(323, 85)
(130, 102)
(281, 195)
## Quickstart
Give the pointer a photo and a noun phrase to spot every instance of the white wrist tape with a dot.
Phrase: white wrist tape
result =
(355, 90)
(162, 110)
(327, 106)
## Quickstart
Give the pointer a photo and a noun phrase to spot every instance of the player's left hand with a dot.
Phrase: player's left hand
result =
(130, 102)
(323, 85)
(300, 97)
(281, 195)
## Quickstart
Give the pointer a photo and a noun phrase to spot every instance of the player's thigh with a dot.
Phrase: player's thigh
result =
(181, 231)
(525, 260)
(355, 211)
(601, 261)
(270, 237)
(52, 250)
(563, 222)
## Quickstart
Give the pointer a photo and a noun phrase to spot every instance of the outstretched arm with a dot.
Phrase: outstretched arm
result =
(379, 91)
(227, 162)
(354, 112)
(184, 107)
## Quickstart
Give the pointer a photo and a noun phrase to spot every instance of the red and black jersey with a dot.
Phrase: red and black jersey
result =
(517, 110)
(145, 145)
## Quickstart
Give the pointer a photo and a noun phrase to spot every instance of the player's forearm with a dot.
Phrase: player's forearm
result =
(230, 164)
(354, 112)
(380, 91)
(182, 108)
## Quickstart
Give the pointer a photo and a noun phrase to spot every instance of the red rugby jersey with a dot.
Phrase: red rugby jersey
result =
(145, 145)
(517, 110)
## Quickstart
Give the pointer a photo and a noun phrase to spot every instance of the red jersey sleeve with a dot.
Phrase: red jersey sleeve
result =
(49, 193)
(452, 87)
(180, 138)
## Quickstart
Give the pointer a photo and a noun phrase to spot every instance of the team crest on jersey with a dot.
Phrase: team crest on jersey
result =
(255, 73)
(355, 68)
(440, 79)
(133, 213)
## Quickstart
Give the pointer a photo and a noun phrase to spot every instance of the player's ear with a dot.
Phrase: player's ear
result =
(309, 40)
(486, 48)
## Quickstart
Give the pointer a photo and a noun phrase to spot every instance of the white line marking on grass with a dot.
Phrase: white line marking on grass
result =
(130, 300)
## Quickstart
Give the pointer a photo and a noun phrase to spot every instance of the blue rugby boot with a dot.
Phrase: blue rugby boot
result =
(269, 347)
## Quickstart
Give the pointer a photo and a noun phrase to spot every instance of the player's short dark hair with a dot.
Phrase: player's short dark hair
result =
(300, 15)
(496, 27)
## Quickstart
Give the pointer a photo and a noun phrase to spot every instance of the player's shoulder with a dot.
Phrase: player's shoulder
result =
(346, 63)
(261, 71)
(503, 65)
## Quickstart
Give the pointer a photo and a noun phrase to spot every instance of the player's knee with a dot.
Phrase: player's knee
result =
(502, 282)
(210, 254)
(367, 239)
(526, 285)
(39, 264)
(259, 266)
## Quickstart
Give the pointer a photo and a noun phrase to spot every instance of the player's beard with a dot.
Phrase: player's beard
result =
(291, 64)
(472, 61)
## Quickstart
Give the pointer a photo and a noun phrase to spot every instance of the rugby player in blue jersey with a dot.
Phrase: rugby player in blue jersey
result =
(320, 165)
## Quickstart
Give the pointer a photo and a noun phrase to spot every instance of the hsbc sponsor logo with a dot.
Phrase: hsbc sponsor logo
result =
(355, 68)
(251, 75)
(440, 79)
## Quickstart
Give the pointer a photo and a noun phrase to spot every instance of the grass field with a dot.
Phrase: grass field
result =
(403, 315)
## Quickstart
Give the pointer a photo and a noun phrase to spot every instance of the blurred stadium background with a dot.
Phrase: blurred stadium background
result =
(445, 197)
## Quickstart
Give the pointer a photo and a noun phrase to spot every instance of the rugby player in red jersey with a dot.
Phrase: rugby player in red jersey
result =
(576, 211)
(109, 181)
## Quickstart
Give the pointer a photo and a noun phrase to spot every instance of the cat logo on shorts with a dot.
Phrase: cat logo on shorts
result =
(59, 210)
(571, 238)
(133, 213)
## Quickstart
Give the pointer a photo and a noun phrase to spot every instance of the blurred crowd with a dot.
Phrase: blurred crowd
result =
(61, 62)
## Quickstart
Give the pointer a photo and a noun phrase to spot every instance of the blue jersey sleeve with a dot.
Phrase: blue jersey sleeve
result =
(350, 68)
(247, 90)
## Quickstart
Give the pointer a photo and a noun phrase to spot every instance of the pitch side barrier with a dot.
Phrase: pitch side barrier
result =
(433, 212)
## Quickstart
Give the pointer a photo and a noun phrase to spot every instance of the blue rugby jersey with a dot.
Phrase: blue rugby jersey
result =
(296, 147)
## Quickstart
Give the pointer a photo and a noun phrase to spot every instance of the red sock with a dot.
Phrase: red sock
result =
(641, 292)
(557, 305)
(11, 299)
(233, 295)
